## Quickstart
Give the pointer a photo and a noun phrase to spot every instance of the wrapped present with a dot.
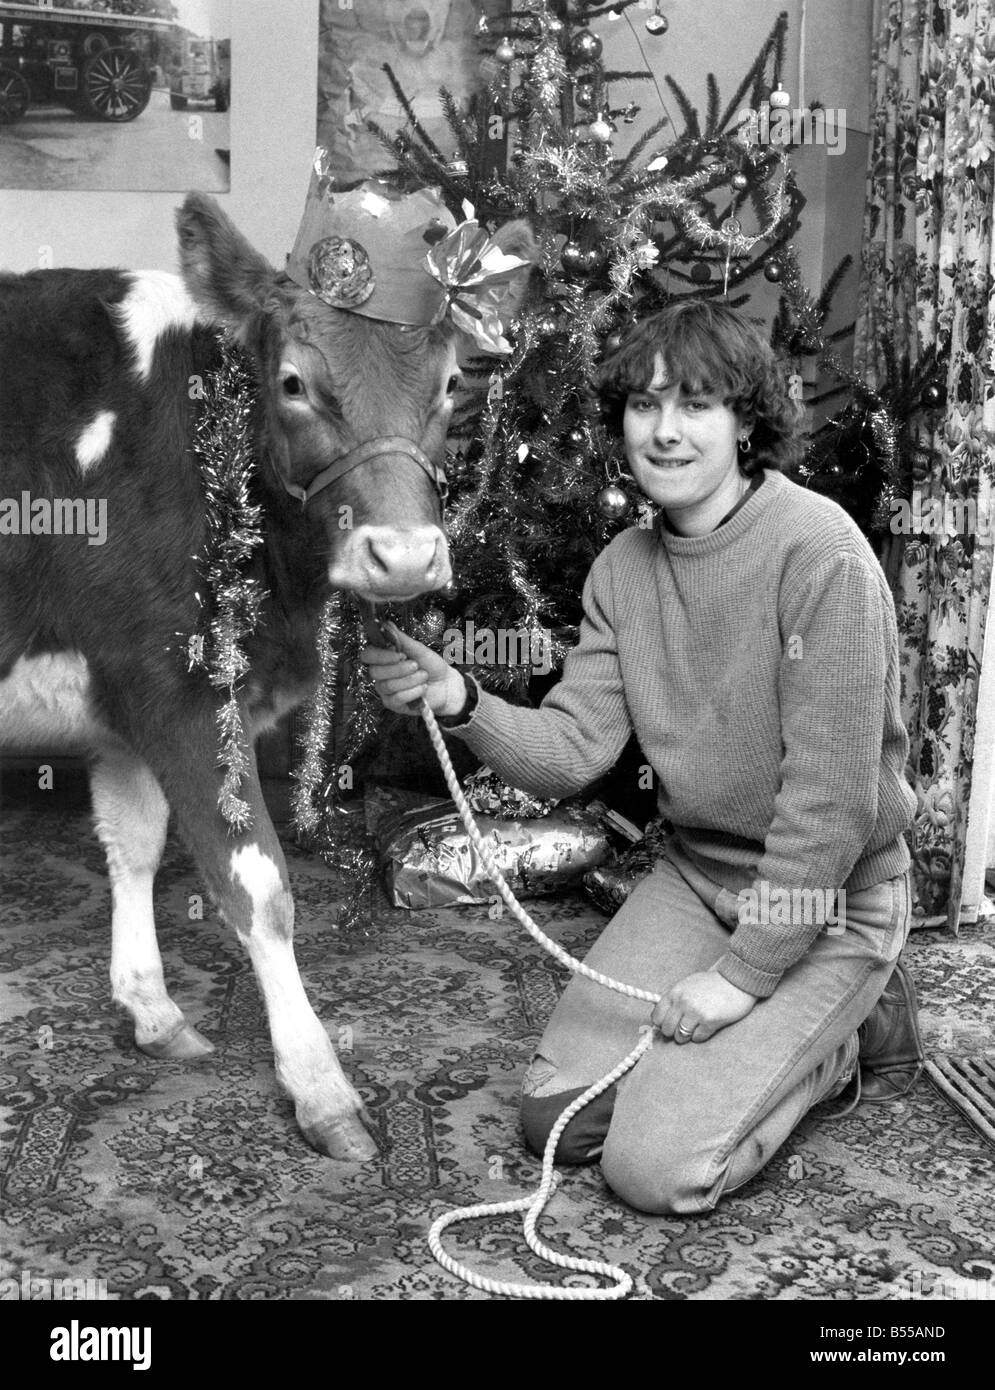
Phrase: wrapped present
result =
(430, 861)
(609, 884)
(488, 795)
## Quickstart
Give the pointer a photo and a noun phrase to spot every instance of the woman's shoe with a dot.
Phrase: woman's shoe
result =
(891, 1051)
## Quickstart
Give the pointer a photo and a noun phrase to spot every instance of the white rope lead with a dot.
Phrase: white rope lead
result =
(533, 1206)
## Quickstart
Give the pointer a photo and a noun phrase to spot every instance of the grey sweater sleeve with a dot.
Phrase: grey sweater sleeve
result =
(832, 713)
(581, 727)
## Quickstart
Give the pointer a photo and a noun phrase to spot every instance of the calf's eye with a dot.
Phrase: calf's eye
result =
(292, 385)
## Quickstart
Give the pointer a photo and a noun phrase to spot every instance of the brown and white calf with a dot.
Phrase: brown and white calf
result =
(96, 407)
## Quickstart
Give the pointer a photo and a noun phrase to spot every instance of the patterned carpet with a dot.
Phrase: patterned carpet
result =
(190, 1182)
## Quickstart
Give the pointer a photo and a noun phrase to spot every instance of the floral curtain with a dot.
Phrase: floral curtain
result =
(927, 281)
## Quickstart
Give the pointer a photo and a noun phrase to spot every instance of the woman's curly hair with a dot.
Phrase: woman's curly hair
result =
(709, 348)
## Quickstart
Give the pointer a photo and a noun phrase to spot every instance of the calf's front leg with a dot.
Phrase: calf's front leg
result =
(131, 815)
(246, 875)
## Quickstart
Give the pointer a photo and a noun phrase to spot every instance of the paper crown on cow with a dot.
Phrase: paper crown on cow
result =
(402, 258)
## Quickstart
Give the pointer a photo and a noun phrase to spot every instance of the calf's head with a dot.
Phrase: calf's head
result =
(332, 382)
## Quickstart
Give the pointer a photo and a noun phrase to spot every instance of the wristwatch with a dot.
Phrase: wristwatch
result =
(455, 721)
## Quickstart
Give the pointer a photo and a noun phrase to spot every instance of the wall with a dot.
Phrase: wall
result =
(274, 79)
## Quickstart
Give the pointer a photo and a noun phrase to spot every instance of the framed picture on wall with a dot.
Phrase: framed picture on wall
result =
(429, 44)
(127, 95)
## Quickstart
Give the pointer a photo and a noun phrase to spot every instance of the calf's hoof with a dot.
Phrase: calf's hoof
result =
(184, 1044)
(344, 1139)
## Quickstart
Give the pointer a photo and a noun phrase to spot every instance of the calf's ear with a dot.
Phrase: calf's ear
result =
(222, 272)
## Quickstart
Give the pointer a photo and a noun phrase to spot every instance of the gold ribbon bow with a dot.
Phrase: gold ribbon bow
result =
(473, 271)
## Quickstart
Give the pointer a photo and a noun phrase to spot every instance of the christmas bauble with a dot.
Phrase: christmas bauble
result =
(601, 130)
(773, 271)
(572, 257)
(613, 342)
(932, 396)
(576, 438)
(657, 23)
(780, 100)
(546, 326)
(585, 47)
(591, 259)
(612, 503)
(505, 51)
(700, 273)
(520, 98)
(584, 94)
(739, 181)
(554, 25)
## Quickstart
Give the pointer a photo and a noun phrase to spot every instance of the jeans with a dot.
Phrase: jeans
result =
(693, 1121)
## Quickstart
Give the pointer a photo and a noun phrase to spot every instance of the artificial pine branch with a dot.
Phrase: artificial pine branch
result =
(463, 133)
(408, 110)
(712, 117)
(692, 128)
(825, 298)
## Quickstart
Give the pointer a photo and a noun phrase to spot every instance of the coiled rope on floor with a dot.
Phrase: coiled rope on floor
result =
(533, 1206)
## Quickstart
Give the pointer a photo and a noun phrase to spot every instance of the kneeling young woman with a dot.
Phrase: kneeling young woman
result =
(750, 642)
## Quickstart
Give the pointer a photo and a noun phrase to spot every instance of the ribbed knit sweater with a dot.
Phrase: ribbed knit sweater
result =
(758, 667)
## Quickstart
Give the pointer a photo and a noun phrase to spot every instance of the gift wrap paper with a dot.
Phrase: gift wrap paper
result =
(609, 884)
(430, 861)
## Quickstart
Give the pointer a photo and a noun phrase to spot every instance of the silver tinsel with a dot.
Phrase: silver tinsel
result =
(312, 770)
(223, 444)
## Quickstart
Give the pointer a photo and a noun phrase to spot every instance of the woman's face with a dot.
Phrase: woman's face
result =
(681, 448)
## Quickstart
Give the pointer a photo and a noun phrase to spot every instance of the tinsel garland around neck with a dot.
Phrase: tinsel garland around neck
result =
(223, 444)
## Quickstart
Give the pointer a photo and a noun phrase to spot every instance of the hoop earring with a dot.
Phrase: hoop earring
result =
(744, 444)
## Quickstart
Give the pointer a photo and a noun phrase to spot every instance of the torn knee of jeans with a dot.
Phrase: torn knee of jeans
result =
(540, 1074)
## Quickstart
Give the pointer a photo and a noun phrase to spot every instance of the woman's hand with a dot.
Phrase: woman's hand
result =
(700, 1005)
(402, 678)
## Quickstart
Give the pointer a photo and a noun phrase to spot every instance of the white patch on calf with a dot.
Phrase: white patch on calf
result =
(95, 440)
(155, 303)
(306, 1065)
(45, 706)
(259, 875)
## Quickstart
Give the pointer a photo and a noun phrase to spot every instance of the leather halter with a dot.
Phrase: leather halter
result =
(364, 453)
